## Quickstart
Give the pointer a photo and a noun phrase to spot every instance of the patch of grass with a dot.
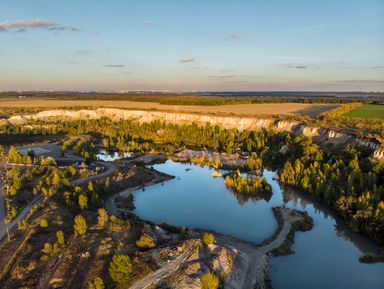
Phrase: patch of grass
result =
(367, 111)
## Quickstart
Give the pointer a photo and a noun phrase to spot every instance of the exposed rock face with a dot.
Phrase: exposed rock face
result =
(320, 135)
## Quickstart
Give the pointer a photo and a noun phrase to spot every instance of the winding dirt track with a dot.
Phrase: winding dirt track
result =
(251, 264)
(110, 170)
(166, 270)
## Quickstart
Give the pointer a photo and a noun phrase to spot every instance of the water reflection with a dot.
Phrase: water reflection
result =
(107, 156)
(243, 198)
(196, 199)
(301, 201)
(325, 257)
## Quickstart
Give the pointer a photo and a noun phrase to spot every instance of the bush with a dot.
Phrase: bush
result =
(44, 223)
(209, 281)
(80, 225)
(83, 201)
(60, 238)
(120, 269)
(145, 242)
(96, 284)
(22, 225)
(102, 219)
(208, 239)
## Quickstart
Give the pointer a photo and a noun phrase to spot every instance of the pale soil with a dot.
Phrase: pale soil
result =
(311, 110)
(251, 263)
(249, 268)
(226, 160)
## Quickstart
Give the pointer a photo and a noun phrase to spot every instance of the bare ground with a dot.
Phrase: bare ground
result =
(251, 264)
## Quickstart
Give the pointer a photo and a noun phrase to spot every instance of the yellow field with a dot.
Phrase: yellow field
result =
(311, 110)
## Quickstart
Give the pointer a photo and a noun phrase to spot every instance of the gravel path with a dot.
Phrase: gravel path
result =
(251, 264)
(167, 269)
(110, 170)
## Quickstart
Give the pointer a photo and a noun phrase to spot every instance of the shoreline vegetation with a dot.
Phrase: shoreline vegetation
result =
(345, 179)
(279, 244)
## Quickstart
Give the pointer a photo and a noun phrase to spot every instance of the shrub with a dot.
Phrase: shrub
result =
(44, 223)
(208, 239)
(209, 281)
(102, 219)
(80, 225)
(120, 269)
(21, 225)
(47, 249)
(60, 238)
(145, 242)
(83, 201)
(96, 284)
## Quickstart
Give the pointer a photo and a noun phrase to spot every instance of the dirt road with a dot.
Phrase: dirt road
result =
(2, 211)
(19, 217)
(251, 264)
(166, 270)
(110, 170)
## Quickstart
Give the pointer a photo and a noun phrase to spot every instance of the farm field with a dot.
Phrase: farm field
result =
(311, 110)
(367, 111)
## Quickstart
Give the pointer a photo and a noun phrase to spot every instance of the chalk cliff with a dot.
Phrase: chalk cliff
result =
(323, 136)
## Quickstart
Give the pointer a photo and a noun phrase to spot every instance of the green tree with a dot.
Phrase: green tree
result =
(80, 225)
(96, 284)
(14, 156)
(209, 281)
(120, 269)
(49, 161)
(21, 225)
(90, 186)
(56, 179)
(102, 218)
(83, 201)
(47, 249)
(145, 242)
(208, 239)
(13, 212)
(60, 238)
(44, 223)
(95, 198)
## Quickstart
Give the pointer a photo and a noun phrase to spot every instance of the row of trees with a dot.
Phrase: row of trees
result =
(346, 180)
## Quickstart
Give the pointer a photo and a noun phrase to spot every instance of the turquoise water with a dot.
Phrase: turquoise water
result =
(326, 256)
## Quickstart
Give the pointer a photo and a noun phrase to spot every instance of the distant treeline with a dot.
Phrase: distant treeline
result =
(193, 99)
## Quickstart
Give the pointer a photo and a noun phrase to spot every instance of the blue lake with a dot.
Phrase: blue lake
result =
(325, 257)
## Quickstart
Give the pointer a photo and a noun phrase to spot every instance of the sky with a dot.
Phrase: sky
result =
(222, 45)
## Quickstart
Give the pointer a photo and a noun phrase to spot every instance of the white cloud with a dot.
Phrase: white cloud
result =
(147, 22)
(114, 65)
(187, 60)
(35, 23)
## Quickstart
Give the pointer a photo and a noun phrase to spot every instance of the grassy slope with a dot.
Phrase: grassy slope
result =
(367, 111)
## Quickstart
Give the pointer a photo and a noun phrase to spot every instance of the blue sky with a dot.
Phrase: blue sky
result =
(192, 44)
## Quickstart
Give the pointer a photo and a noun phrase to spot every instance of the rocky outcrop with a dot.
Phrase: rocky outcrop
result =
(323, 136)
